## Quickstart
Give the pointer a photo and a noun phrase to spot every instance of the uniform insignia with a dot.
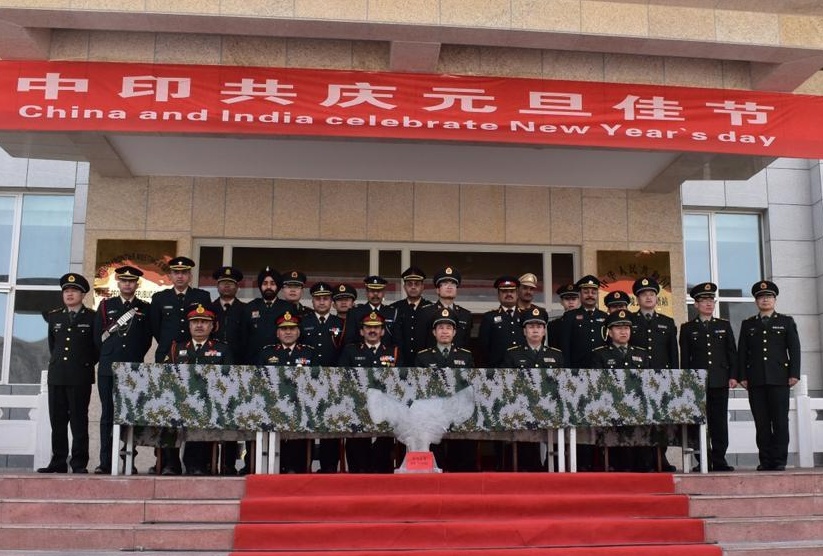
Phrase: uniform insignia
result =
(183, 352)
(341, 288)
(449, 270)
(200, 310)
(579, 317)
(498, 318)
(645, 282)
(71, 278)
(255, 314)
(294, 274)
(536, 312)
(445, 313)
(636, 358)
(707, 287)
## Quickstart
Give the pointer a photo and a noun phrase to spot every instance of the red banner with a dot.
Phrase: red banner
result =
(145, 98)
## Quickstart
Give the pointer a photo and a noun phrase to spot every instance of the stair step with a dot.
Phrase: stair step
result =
(764, 529)
(118, 511)
(750, 482)
(768, 505)
(789, 548)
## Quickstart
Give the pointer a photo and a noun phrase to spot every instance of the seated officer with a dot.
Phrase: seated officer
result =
(295, 454)
(200, 350)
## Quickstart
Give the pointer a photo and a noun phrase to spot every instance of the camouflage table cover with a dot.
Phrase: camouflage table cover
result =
(331, 401)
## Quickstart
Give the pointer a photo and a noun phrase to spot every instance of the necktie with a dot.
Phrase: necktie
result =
(623, 350)
(198, 347)
(322, 320)
(446, 353)
(127, 305)
(510, 312)
(374, 351)
(649, 316)
(72, 316)
(226, 307)
(268, 304)
(765, 319)
(181, 297)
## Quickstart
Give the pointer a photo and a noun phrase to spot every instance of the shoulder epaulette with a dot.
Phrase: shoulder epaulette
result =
(462, 349)
(601, 347)
(513, 348)
(55, 310)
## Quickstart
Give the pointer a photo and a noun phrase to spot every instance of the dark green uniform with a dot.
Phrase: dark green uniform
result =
(658, 336)
(168, 317)
(524, 357)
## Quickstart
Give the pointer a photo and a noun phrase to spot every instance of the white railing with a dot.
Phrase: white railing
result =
(805, 430)
(30, 436)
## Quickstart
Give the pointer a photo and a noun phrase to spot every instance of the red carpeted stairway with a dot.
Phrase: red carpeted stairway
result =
(507, 514)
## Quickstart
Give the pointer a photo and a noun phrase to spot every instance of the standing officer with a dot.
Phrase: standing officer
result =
(199, 349)
(570, 300)
(228, 322)
(169, 307)
(343, 298)
(769, 364)
(500, 328)
(121, 333)
(292, 284)
(260, 315)
(447, 281)
(617, 300)
(583, 327)
(296, 454)
(414, 336)
(454, 455)
(375, 292)
(370, 352)
(655, 333)
(525, 294)
(708, 343)
(71, 374)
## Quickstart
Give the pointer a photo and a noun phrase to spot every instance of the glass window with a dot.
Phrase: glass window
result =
(29, 343)
(45, 239)
(696, 245)
(735, 312)
(738, 253)
(562, 273)
(211, 258)
(389, 265)
(6, 229)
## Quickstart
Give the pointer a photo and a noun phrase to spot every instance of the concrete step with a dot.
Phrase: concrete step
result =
(794, 548)
(764, 529)
(89, 537)
(767, 505)
(142, 487)
(118, 511)
(791, 481)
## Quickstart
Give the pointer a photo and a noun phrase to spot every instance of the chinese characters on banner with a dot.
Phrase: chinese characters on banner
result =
(141, 98)
(619, 269)
(150, 256)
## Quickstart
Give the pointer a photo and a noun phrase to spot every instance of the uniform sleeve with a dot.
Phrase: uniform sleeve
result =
(97, 328)
(685, 355)
(566, 337)
(742, 354)
(50, 334)
(674, 359)
(228, 356)
(345, 359)
(731, 353)
(509, 362)
(793, 345)
(171, 356)
(156, 315)
(486, 335)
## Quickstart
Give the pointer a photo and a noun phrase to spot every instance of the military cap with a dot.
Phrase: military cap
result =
(74, 280)
(200, 313)
(704, 289)
(528, 279)
(566, 290)
(227, 273)
(268, 272)
(344, 290)
(413, 273)
(618, 318)
(617, 297)
(534, 316)
(287, 319)
(588, 281)
(765, 287)
(447, 273)
(375, 282)
(445, 315)
(181, 263)
(293, 278)
(506, 283)
(320, 288)
(373, 319)
(645, 284)
(127, 273)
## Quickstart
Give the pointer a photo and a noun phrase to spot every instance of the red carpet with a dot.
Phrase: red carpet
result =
(488, 514)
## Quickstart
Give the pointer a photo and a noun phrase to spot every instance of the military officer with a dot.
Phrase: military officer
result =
(414, 337)
(73, 354)
(447, 281)
(583, 327)
(287, 352)
(371, 351)
(453, 455)
(343, 298)
(500, 328)
(291, 291)
(199, 349)
(769, 365)
(122, 332)
(534, 354)
(570, 300)
(375, 293)
(618, 300)
(260, 315)
(169, 307)
(654, 332)
(228, 310)
(707, 342)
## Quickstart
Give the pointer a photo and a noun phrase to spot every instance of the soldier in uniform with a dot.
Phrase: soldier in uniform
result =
(71, 375)
(617, 300)
(228, 329)
(122, 333)
(500, 328)
(169, 307)
(287, 352)
(375, 292)
(583, 327)
(371, 351)
(525, 294)
(533, 354)
(260, 315)
(769, 365)
(454, 455)
(447, 281)
(570, 300)
(708, 343)
(414, 336)
(343, 299)
(199, 349)
(291, 291)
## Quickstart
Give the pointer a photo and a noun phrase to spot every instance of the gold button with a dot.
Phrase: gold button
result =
(709, 353)
(65, 359)
(765, 359)
(66, 348)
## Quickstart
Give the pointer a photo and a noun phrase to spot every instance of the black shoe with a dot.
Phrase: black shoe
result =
(100, 470)
(80, 471)
(723, 467)
(763, 467)
(170, 471)
(53, 469)
(667, 468)
(197, 471)
(779, 468)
